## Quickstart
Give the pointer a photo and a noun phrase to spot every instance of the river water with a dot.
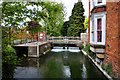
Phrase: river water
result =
(59, 63)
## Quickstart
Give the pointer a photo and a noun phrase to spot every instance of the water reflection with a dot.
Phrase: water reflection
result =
(61, 64)
(84, 74)
(67, 71)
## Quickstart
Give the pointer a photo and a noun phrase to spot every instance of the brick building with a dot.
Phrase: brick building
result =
(24, 35)
(104, 32)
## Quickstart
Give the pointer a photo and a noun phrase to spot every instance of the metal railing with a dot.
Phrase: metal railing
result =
(63, 38)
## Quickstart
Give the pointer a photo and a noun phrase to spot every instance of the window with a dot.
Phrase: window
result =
(95, 3)
(99, 30)
(99, 1)
(93, 31)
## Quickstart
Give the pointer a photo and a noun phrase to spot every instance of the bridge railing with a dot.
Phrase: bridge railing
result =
(63, 38)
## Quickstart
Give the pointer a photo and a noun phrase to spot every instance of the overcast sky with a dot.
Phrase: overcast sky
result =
(69, 4)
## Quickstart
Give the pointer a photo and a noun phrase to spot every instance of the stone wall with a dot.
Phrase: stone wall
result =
(84, 38)
(32, 50)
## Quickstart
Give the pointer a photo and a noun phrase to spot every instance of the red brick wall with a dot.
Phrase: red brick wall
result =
(112, 35)
(23, 35)
(119, 40)
(101, 9)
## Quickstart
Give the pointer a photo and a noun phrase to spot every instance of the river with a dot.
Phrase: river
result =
(59, 63)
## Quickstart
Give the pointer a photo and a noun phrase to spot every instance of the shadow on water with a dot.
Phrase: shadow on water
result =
(62, 64)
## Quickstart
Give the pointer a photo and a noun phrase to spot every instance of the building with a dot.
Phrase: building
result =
(104, 32)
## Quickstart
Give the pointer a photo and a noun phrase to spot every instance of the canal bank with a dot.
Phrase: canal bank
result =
(98, 66)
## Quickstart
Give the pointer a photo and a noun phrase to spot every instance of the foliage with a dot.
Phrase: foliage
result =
(15, 13)
(103, 66)
(86, 23)
(9, 56)
(76, 20)
(109, 68)
(54, 19)
(9, 50)
(34, 27)
(81, 46)
(11, 17)
(87, 47)
(65, 28)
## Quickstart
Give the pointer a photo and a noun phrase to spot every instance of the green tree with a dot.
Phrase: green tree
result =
(54, 19)
(65, 28)
(86, 23)
(11, 18)
(76, 20)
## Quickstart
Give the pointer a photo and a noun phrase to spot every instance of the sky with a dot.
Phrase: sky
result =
(69, 4)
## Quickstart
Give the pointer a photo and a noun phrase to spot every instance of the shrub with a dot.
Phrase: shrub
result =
(87, 47)
(9, 61)
(8, 50)
(103, 66)
(9, 56)
(109, 68)
(81, 46)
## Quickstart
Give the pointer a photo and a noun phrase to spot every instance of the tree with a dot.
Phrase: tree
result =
(13, 13)
(54, 19)
(11, 18)
(86, 23)
(65, 28)
(76, 20)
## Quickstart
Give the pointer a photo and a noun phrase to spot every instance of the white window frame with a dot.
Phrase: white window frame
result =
(94, 3)
(99, 4)
(96, 16)
(91, 4)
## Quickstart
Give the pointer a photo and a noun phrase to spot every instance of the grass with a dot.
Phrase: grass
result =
(87, 50)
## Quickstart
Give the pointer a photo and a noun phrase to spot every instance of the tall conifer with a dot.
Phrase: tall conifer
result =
(76, 20)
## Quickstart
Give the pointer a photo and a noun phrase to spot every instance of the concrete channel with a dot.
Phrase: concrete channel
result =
(99, 67)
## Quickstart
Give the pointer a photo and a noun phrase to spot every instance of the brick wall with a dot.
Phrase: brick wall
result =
(119, 40)
(99, 9)
(112, 35)
(24, 35)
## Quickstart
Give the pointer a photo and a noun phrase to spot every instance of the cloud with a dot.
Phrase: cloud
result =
(69, 4)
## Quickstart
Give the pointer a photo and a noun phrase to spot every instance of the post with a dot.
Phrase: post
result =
(37, 49)
(38, 46)
(27, 36)
(38, 36)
